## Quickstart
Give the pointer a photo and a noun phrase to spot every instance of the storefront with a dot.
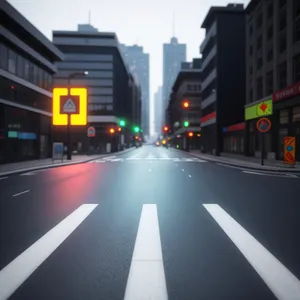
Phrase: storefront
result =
(24, 134)
(253, 138)
(233, 138)
(286, 105)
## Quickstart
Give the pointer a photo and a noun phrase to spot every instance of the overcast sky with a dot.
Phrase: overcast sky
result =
(147, 23)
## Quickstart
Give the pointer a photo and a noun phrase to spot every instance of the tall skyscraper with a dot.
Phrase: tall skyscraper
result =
(158, 110)
(173, 55)
(138, 63)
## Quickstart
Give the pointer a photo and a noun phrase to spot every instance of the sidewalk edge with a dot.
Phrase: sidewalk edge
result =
(51, 166)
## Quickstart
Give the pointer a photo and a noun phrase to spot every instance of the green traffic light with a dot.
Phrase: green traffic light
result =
(122, 123)
(186, 124)
(136, 129)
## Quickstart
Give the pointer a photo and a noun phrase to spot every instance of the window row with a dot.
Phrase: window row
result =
(18, 65)
(193, 87)
(100, 107)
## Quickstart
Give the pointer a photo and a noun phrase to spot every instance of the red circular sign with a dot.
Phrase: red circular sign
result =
(263, 125)
(91, 132)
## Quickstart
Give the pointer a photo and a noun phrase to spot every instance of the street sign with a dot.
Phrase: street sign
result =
(263, 125)
(289, 150)
(261, 109)
(91, 132)
(71, 109)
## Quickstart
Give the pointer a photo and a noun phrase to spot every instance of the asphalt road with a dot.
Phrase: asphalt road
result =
(152, 223)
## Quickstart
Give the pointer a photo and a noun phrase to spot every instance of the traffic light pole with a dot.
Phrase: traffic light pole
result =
(69, 153)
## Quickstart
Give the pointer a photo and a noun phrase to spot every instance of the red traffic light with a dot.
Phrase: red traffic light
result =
(186, 104)
(111, 130)
(166, 128)
(136, 137)
(191, 134)
(119, 129)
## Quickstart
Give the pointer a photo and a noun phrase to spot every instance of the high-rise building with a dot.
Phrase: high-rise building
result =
(138, 63)
(173, 55)
(158, 110)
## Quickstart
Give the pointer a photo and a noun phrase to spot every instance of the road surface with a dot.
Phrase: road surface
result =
(152, 223)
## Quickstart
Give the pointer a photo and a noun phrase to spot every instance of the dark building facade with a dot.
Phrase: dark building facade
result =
(184, 122)
(273, 74)
(26, 69)
(113, 94)
(223, 74)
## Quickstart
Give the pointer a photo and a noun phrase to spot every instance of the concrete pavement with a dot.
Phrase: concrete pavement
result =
(151, 222)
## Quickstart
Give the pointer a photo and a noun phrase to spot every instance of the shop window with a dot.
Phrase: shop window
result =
(12, 61)
(259, 88)
(20, 66)
(284, 117)
(269, 83)
(282, 74)
(3, 57)
(296, 68)
(296, 114)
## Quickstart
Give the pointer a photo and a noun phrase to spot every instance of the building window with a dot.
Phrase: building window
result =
(3, 57)
(282, 3)
(35, 75)
(296, 114)
(282, 20)
(296, 8)
(259, 63)
(40, 78)
(26, 69)
(270, 11)
(259, 20)
(250, 30)
(259, 88)
(250, 70)
(270, 55)
(31, 72)
(296, 68)
(12, 61)
(269, 83)
(250, 50)
(259, 42)
(109, 107)
(251, 95)
(270, 32)
(297, 30)
(20, 66)
(282, 76)
(284, 116)
(282, 43)
(189, 87)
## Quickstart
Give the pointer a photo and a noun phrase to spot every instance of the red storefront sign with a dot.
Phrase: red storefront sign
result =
(288, 92)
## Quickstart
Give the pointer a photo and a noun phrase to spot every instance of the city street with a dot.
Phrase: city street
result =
(152, 223)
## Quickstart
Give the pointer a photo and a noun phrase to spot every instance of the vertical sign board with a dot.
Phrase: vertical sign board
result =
(289, 150)
(58, 151)
(91, 132)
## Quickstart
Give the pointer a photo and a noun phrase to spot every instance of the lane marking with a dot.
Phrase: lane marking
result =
(278, 278)
(182, 170)
(15, 195)
(28, 174)
(146, 279)
(109, 157)
(133, 158)
(149, 170)
(2, 178)
(17, 271)
(271, 174)
(116, 159)
(190, 176)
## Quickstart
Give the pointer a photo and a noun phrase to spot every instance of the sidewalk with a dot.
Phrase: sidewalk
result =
(33, 165)
(247, 162)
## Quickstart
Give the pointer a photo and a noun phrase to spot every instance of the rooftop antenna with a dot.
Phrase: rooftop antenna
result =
(89, 17)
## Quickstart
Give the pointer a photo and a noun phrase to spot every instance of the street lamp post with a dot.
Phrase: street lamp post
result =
(72, 75)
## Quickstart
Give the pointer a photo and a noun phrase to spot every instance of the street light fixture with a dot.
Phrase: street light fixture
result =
(72, 75)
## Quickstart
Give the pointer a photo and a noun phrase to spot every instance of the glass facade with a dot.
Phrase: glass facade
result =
(24, 68)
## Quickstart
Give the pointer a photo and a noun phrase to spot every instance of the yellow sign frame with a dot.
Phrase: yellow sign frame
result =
(60, 119)
(289, 156)
(254, 111)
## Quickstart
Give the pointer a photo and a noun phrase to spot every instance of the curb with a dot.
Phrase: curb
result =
(52, 166)
(257, 168)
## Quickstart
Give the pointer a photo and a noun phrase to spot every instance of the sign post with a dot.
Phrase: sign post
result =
(263, 125)
(69, 109)
(289, 150)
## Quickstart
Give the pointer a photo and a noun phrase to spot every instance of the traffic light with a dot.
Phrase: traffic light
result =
(186, 124)
(119, 129)
(191, 134)
(186, 104)
(166, 128)
(136, 137)
(136, 129)
(112, 130)
(122, 123)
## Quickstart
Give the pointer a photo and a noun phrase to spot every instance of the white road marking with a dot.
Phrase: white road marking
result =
(116, 159)
(190, 176)
(17, 271)
(2, 178)
(133, 158)
(271, 174)
(28, 174)
(149, 170)
(15, 195)
(188, 159)
(176, 159)
(182, 170)
(146, 279)
(279, 279)
(151, 158)
(109, 157)
(164, 158)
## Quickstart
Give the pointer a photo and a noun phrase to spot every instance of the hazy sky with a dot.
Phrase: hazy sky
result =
(147, 23)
